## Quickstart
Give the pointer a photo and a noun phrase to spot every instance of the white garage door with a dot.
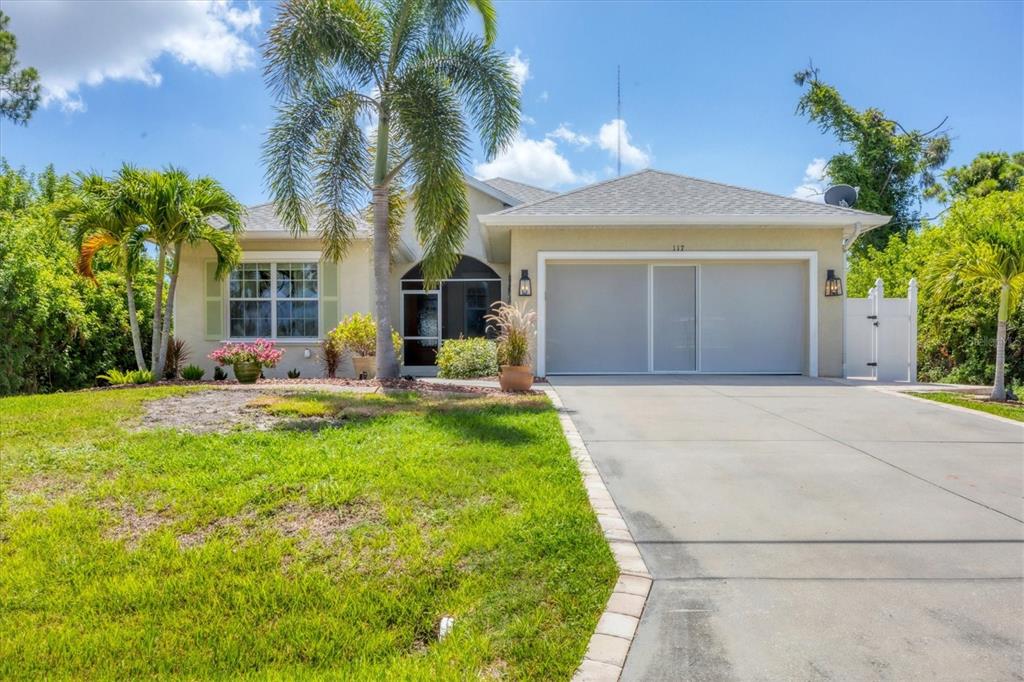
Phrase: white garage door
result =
(640, 317)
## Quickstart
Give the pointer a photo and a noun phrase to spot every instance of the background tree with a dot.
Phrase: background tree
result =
(57, 330)
(101, 216)
(19, 90)
(890, 164)
(984, 253)
(988, 172)
(406, 67)
(177, 211)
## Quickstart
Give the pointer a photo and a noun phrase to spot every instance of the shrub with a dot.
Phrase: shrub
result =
(193, 373)
(514, 325)
(116, 377)
(219, 374)
(293, 373)
(467, 359)
(177, 354)
(330, 353)
(261, 351)
(357, 334)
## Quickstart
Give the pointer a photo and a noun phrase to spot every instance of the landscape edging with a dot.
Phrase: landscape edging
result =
(616, 629)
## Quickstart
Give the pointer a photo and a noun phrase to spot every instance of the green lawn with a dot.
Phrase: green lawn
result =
(324, 548)
(1008, 410)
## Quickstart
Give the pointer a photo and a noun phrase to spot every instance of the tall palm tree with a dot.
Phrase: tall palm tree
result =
(404, 69)
(177, 210)
(986, 255)
(100, 213)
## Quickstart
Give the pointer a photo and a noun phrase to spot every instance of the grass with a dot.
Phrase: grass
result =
(327, 552)
(1010, 410)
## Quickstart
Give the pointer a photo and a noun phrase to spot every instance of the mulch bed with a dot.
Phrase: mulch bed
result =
(385, 384)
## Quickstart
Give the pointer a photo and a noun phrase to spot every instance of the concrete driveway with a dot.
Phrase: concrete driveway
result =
(799, 529)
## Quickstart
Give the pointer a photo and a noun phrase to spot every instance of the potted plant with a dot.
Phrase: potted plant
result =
(515, 326)
(248, 359)
(357, 336)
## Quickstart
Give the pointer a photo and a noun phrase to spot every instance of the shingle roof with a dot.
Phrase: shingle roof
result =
(523, 192)
(262, 218)
(657, 193)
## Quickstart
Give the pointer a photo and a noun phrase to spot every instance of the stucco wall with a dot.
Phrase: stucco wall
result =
(354, 295)
(527, 242)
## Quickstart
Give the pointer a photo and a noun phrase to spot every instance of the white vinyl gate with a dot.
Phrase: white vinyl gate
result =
(881, 335)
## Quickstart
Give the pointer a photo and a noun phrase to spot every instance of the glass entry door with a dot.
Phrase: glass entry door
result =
(421, 327)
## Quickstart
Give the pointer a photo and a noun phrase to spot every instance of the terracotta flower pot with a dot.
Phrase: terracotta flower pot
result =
(365, 364)
(247, 372)
(515, 377)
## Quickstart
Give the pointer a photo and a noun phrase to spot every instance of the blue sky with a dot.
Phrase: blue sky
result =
(707, 88)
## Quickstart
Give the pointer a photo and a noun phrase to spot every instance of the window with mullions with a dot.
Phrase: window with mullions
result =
(274, 300)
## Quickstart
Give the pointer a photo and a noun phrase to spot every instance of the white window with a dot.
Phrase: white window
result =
(274, 300)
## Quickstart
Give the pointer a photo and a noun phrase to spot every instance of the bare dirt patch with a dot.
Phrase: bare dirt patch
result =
(209, 411)
(48, 487)
(133, 524)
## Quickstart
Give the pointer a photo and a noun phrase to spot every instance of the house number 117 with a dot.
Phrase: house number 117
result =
(679, 247)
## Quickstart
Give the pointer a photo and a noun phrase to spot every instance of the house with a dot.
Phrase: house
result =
(650, 272)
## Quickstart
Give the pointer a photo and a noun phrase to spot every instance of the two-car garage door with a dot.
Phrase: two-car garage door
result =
(660, 317)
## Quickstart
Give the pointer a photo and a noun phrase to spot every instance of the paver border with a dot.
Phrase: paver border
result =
(609, 645)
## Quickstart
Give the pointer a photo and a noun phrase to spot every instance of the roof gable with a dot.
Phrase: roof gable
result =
(665, 196)
(520, 190)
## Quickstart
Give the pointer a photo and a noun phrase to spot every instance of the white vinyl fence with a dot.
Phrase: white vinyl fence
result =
(881, 335)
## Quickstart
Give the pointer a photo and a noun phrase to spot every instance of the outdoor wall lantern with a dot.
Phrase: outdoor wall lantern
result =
(833, 285)
(525, 286)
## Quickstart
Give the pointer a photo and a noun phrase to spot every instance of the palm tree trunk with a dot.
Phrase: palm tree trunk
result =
(133, 322)
(158, 309)
(387, 363)
(999, 385)
(165, 334)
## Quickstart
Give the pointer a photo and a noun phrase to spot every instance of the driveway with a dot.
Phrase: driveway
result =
(799, 529)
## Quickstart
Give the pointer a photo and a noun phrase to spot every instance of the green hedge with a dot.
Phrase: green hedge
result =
(467, 359)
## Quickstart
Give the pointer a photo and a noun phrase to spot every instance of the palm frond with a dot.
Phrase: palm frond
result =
(340, 186)
(321, 41)
(434, 133)
(485, 84)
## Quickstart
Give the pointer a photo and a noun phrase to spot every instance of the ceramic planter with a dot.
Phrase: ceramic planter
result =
(515, 377)
(247, 372)
(365, 364)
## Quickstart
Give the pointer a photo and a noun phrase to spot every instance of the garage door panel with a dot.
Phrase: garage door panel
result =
(674, 288)
(597, 318)
(753, 317)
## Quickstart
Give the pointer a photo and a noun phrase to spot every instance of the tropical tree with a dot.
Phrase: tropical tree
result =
(101, 215)
(405, 70)
(985, 253)
(19, 88)
(890, 164)
(988, 172)
(177, 211)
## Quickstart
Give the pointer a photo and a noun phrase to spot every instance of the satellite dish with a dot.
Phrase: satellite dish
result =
(841, 195)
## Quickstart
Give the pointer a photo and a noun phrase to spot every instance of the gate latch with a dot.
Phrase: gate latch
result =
(872, 364)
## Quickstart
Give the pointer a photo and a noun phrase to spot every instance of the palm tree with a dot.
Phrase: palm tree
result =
(986, 255)
(177, 211)
(404, 68)
(100, 215)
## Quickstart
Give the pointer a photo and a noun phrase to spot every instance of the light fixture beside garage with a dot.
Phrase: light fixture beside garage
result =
(525, 286)
(833, 285)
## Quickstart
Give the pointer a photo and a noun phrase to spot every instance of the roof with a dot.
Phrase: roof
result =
(657, 197)
(262, 220)
(520, 190)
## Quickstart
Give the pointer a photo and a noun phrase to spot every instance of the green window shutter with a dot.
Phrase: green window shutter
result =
(214, 304)
(329, 317)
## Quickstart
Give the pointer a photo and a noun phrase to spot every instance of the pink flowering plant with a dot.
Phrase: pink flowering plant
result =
(261, 351)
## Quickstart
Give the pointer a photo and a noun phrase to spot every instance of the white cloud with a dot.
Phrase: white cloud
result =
(520, 68)
(814, 183)
(611, 134)
(566, 134)
(75, 43)
(537, 162)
